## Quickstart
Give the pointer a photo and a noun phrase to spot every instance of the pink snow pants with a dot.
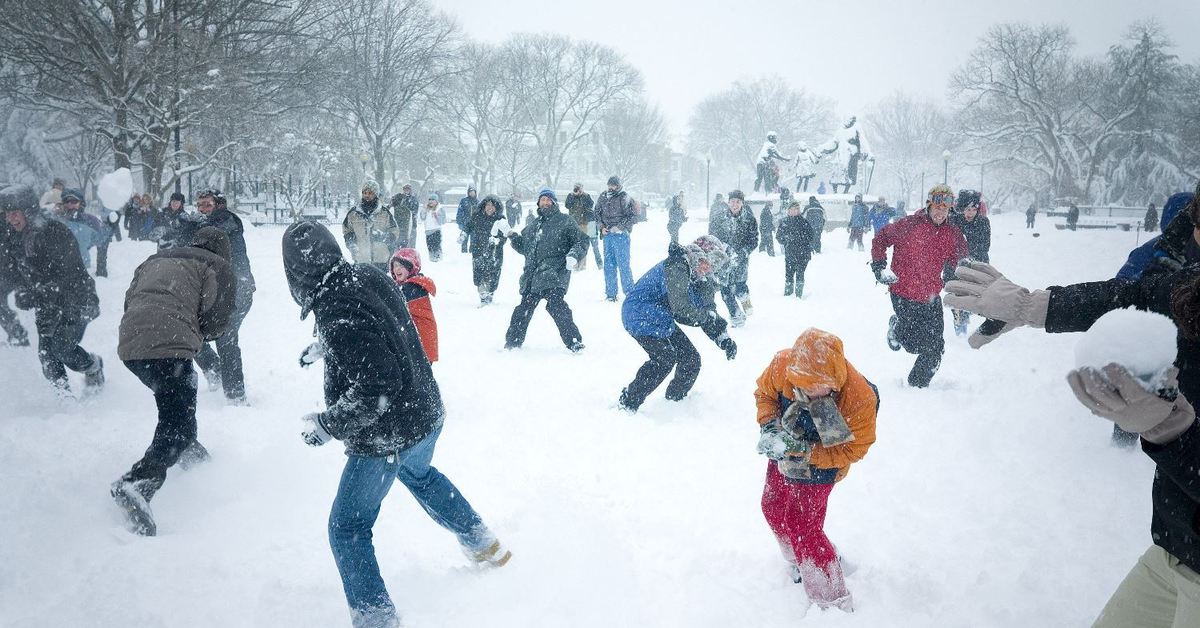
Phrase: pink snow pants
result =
(796, 514)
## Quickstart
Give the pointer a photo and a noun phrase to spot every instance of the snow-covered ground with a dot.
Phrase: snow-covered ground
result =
(990, 499)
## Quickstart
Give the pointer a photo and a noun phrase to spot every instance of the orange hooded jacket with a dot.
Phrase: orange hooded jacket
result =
(817, 359)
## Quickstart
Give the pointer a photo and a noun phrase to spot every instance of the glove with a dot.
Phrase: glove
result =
(23, 299)
(983, 290)
(727, 345)
(777, 444)
(1113, 393)
(571, 263)
(882, 274)
(989, 331)
(314, 432)
(312, 354)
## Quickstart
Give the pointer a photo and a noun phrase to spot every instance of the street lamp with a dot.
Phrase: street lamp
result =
(364, 158)
(946, 166)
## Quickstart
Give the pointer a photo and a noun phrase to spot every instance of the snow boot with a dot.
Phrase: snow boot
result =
(494, 555)
(799, 289)
(787, 289)
(213, 378)
(194, 454)
(961, 319)
(624, 404)
(576, 346)
(62, 390)
(747, 306)
(93, 378)
(134, 501)
(892, 341)
(923, 369)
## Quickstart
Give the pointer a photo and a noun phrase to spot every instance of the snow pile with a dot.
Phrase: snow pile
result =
(1142, 342)
(115, 188)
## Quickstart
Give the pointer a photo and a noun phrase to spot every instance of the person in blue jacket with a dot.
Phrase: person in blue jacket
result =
(677, 290)
(859, 221)
(1140, 257)
(881, 215)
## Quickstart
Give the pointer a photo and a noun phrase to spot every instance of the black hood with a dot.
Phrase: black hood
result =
(212, 239)
(310, 252)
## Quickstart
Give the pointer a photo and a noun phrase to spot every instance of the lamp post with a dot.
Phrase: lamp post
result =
(946, 166)
(364, 158)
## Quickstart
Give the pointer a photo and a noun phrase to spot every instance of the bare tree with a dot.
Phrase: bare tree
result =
(389, 54)
(631, 135)
(562, 89)
(908, 136)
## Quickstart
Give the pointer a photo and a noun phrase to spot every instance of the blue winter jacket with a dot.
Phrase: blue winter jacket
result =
(880, 217)
(1140, 257)
(667, 294)
(858, 216)
(466, 207)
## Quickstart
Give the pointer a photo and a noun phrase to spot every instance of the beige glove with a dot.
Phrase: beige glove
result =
(981, 289)
(1116, 395)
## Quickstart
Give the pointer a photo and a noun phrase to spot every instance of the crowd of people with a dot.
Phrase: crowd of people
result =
(377, 338)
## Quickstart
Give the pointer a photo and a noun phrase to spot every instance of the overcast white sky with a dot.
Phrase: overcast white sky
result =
(852, 52)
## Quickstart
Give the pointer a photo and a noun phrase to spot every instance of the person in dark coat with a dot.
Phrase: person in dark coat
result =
(766, 229)
(616, 212)
(977, 230)
(1072, 217)
(579, 206)
(927, 246)
(224, 363)
(1030, 216)
(1150, 222)
(512, 210)
(487, 247)
(405, 207)
(677, 290)
(53, 281)
(814, 213)
(10, 280)
(796, 237)
(382, 401)
(179, 298)
(718, 205)
(1166, 574)
(552, 245)
(738, 229)
(466, 209)
(860, 219)
(173, 226)
(676, 215)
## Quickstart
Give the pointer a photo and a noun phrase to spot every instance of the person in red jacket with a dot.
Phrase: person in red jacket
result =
(927, 247)
(417, 290)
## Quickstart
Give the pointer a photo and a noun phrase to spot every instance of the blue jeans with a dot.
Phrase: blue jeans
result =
(365, 482)
(616, 257)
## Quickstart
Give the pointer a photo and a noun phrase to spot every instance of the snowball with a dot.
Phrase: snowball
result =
(115, 188)
(1142, 342)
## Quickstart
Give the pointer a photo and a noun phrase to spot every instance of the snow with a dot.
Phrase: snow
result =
(990, 499)
(115, 188)
(1142, 342)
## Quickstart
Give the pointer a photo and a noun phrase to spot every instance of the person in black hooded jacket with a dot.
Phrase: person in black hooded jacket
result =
(1170, 435)
(52, 279)
(486, 242)
(382, 401)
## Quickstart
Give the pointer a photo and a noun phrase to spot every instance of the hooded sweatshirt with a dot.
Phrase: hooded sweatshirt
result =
(380, 394)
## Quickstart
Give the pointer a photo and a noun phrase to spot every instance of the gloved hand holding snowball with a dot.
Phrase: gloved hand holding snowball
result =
(1126, 375)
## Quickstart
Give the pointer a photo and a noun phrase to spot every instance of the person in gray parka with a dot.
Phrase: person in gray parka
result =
(552, 245)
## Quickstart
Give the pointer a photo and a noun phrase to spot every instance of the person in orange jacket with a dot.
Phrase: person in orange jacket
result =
(817, 417)
(417, 290)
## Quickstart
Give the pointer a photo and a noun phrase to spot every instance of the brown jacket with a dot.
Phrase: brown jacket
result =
(179, 298)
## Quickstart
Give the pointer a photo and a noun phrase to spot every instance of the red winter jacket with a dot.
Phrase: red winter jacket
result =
(417, 291)
(922, 251)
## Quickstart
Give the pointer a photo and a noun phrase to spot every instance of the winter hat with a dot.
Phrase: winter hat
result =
(795, 203)
(550, 193)
(370, 185)
(433, 197)
(310, 252)
(212, 239)
(218, 196)
(707, 248)
(738, 195)
(614, 180)
(53, 197)
(18, 198)
(72, 193)
(410, 258)
(178, 196)
(965, 199)
(471, 189)
(494, 200)
(940, 188)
